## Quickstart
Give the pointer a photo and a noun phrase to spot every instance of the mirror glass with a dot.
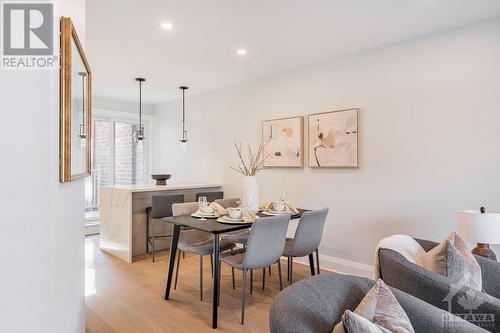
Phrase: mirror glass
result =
(79, 113)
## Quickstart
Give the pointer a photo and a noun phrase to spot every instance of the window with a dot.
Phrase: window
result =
(116, 158)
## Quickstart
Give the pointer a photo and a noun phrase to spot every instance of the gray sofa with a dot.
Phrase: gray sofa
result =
(439, 291)
(316, 304)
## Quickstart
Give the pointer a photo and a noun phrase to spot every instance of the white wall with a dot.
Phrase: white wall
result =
(42, 251)
(429, 137)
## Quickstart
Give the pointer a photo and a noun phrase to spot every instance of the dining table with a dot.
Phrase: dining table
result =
(217, 229)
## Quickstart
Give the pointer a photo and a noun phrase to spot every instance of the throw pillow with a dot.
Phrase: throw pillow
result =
(355, 323)
(381, 307)
(452, 259)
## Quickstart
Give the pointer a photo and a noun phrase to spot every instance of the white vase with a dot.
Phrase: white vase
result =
(250, 193)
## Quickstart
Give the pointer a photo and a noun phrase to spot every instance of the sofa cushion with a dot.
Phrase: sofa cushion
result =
(316, 304)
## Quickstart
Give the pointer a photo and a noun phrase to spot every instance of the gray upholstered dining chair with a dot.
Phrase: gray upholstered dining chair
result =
(195, 241)
(211, 196)
(264, 248)
(161, 206)
(306, 240)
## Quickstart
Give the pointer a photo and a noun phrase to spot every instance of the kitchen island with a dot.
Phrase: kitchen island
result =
(123, 215)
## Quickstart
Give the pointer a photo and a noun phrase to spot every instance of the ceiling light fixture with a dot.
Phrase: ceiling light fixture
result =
(139, 134)
(167, 26)
(184, 131)
(241, 52)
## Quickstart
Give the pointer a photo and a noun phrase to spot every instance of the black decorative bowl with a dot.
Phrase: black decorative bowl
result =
(161, 179)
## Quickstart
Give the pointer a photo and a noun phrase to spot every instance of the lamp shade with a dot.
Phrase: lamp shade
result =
(477, 227)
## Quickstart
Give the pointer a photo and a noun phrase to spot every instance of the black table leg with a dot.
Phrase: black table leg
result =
(216, 281)
(171, 262)
(311, 263)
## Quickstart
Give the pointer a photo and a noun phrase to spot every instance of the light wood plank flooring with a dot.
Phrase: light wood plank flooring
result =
(128, 298)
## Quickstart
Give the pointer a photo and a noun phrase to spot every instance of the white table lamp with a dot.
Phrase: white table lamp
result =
(481, 227)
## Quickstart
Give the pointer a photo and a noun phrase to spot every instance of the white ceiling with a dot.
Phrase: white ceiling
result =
(124, 38)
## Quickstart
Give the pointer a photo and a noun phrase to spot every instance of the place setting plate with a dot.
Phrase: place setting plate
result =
(271, 212)
(207, 216)
(229, 220)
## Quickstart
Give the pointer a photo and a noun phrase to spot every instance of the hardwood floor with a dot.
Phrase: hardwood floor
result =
(128, 298)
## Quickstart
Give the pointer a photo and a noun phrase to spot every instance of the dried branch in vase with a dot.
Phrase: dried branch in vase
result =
(252, 163)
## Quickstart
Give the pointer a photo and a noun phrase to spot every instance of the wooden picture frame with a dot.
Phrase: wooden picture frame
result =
(334, 139)
(74, 159)
(285, 142)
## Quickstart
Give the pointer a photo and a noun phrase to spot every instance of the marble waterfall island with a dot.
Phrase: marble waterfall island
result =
(123, 216)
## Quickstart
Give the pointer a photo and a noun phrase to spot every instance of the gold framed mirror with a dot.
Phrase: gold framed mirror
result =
(75, 107)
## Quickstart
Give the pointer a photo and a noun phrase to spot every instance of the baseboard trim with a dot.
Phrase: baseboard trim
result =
(338, 265)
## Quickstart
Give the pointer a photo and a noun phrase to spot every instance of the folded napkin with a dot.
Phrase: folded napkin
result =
(218, 209)
(248, 216)
(271, 206)
(205, 210)
(289, 207)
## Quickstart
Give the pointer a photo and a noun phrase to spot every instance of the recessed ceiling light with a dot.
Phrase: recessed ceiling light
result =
(167, 26)
(241, 52)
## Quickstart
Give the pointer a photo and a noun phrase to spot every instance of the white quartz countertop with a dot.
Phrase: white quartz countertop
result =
(168, 187)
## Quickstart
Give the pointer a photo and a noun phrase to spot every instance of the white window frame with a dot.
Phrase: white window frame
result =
(114, 116)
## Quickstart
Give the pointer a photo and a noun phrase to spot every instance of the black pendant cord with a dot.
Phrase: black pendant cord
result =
(139, 134)
(184, 132)
(183, 114)
(140, 107)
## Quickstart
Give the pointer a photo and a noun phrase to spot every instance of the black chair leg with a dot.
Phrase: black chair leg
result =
(270, 270)
(153, 238)
(317, 260)
(279, 273)
(232, 275)
(288, 268)
(251, 281)
(177, 269)
(243, 286)
(311, 264)
(147, 233)
(263, 279)
(201, 278)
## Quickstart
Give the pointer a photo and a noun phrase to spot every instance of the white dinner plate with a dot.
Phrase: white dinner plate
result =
(208, 216)
(274, 213)
(229, 220)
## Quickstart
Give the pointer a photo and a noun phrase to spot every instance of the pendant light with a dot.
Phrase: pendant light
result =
(139, 134)
(184, 131)
(82, 134)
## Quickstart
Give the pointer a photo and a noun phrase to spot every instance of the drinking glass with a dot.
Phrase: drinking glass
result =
(202, 203)
(283, 196)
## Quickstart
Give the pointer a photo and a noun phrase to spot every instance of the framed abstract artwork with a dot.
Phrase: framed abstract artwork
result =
(285, 142)
(333, 139)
